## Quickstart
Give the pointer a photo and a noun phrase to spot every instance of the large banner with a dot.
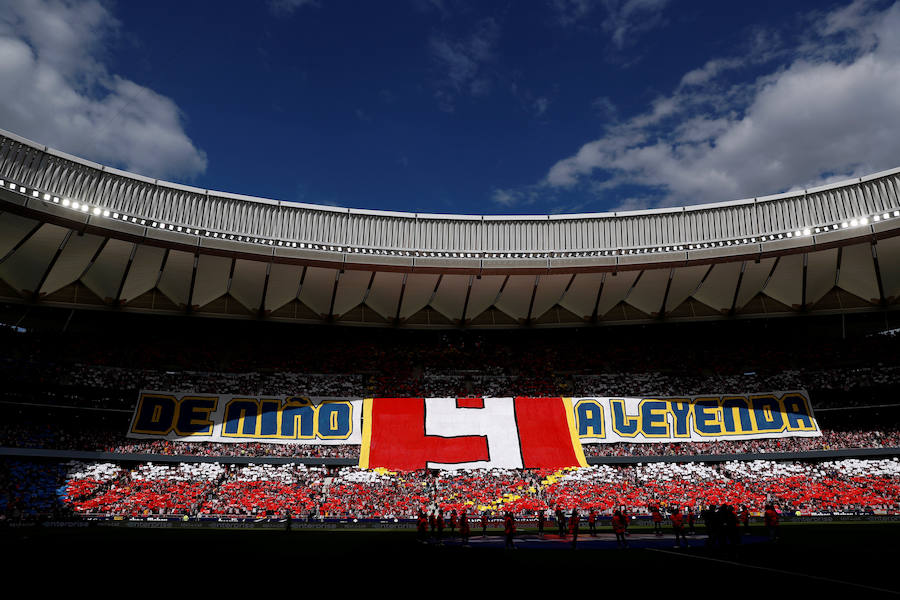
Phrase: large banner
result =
(457, 433)
(696, 418)
(189, 417)
(468, 433)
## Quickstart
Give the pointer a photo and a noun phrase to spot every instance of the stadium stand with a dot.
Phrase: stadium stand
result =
(104, 276)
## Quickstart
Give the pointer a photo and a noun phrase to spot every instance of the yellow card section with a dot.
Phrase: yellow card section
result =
(573, 432)
(366, 433)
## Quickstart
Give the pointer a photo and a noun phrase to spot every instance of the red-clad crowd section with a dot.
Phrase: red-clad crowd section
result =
(228, 491)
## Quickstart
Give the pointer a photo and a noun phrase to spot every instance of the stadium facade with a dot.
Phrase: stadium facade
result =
(78, 234)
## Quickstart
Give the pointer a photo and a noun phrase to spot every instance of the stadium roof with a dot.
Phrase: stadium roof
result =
(76, 233)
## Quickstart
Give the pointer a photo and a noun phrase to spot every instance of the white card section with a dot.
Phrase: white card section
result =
(497, 421)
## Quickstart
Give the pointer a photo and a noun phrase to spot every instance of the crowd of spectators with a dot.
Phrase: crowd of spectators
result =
(108, 367)
(117, 388)
(213, 490)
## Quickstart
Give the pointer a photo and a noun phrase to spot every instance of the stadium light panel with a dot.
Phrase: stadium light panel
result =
(35, 193)
(96, 210)
(75, 205)
(65, 202)
(46, 196)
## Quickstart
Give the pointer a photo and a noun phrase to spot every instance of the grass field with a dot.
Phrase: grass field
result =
(821, 560)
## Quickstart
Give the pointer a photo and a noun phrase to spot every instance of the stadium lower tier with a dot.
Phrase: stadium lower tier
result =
(32, 488)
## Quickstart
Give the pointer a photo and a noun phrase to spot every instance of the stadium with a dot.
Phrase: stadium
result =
(508, 296)
(122, 294)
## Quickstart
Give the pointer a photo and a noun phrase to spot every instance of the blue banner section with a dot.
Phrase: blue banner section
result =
(696, 418)
(227, 418)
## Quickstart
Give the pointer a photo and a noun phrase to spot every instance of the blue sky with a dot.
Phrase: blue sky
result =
(447, 106)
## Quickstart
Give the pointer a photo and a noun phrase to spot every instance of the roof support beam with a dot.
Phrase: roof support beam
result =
(803, 289)
(771, 272)
(568, 285)
(737, 289)
(400, 299)
(597, 301)
(19, 244)
(262, 301)
(93, 258)
(36, 294)
(633, 285)
(334, 289)
(881, 300)
(837, 269)
(230, 274)
(537, 281)
(662, 308)
(125, 277)
(466, 301)
(300, 285)
(368, 288)
(500, 292)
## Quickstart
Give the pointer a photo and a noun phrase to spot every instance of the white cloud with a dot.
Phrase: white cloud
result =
(829, 111)
(570, 12)
(55, 89)
(623, 20)
(711, 69)
(461, 62)
(524, 196)
(627, 19)
(505, 197)
(288, 7)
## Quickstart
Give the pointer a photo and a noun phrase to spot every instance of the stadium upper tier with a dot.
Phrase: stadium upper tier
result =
(73, 232)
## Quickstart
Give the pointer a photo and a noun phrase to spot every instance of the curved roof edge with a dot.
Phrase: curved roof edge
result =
(115, 199)
(386, 213)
